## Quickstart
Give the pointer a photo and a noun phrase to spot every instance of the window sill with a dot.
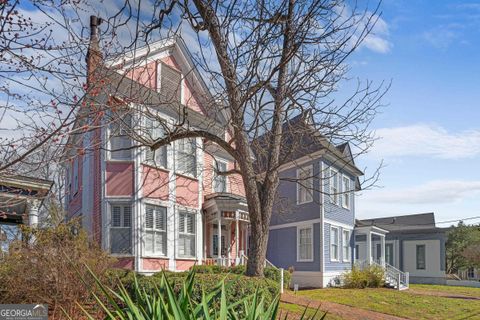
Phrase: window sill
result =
(186, 258)
(151, 256)
(300, 203)
(334, 260)
(152, 165)
(305, 260)
(120, 160)
(122, 255)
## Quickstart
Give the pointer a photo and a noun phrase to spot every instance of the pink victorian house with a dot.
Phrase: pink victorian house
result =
(166, 209)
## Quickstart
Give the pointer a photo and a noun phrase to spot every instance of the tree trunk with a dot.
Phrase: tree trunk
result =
(257, 250)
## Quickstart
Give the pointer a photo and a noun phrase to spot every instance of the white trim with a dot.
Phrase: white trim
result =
(295, 224)
(301, 161)
(303, 185)
(301, 227)
(331, 180)
(339, 224)
(322, 218)
(346, 193)
(349, 256)
(338, 243)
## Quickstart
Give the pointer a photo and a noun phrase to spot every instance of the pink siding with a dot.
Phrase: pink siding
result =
(184, 265)
(153, 264)
(119, 179)
(187, 191)
(125, 263)
(146, 75)
(154, 183)
(235, 181)
(233, 248)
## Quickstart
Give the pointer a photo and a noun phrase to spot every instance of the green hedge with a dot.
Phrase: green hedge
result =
(269, 272)
(369, 277)
(238, 286)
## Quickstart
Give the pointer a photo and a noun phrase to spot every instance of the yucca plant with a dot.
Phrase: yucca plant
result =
(162, 303)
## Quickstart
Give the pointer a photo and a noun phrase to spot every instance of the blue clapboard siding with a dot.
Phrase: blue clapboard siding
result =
(339, 265)
(332, 210)
(286, 209)
(282, 249)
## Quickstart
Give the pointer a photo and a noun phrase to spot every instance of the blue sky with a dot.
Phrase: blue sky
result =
(430, 131)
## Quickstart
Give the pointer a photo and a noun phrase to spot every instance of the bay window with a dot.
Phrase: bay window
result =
(155, 230)
(186, 234)
(120, 142)
(346, 192)
(121, 228)
(186, 157)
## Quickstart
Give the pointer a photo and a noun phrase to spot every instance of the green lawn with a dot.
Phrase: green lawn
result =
(402, 303)
(464, 291)
(293, 308)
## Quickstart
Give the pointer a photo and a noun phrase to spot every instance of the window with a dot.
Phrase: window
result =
(346, 192)
(389, 253)
(357, 252)
(120, 142)
(155, 130)
(186, 157)
(304, 184)
(75, 176)
(421, 257)
(220, 181)
(186, 230)
(305, 244)
(215, 245)
(334, 243)
(471, 273)
(170, 83)
(334, 181)
(155, 230)
(346, 245)
(121, 229)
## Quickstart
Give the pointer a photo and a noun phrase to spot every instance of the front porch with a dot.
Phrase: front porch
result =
(370, 250)
(226, 229)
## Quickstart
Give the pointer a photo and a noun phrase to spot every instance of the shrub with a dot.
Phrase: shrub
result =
(368, 277)
(165, 302)
(269, 272)
(240, 286)
(47, 268)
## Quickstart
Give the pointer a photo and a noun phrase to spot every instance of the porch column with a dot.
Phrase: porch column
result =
(382, 246)
(237, 238)
(369, 248)
(219, 235)
(33, 207)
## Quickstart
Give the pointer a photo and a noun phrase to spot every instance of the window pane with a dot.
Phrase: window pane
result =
(127, 216)
(116, 216)
(421, 257)
(149, 217)
(161, 218)
(181, 222)
(120, 240)
(149, 238)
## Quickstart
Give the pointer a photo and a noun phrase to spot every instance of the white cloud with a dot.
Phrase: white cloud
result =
(377, 39)
(426, 140)
(433, 192)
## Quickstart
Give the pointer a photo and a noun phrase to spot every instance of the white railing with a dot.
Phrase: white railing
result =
(393, 276)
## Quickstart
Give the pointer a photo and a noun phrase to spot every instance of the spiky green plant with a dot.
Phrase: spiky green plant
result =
(163, 303)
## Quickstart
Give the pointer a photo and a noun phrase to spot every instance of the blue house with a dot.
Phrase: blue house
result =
(312, 224)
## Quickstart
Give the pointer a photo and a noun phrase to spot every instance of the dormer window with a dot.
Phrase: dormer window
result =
(170, 83)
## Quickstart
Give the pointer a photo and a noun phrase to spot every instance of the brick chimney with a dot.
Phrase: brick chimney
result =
(94, 55)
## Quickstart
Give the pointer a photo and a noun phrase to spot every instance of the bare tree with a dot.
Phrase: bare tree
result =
(265, 63)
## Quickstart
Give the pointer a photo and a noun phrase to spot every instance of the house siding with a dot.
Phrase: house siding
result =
(287, 210)
(282, 249)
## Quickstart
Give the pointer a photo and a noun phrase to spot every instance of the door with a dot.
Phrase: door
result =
(379, 252)
(389, 253)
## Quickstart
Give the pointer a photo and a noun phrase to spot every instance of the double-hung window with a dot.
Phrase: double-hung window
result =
(120, 142)
(305, 184)
(155, 130)
(186, 157)
(305, 243)
(186, 234)
(346, 192)
(346, 245)
(220, 181)
(334, 190)
(121, 229)
(334, 243)
(421, 263)
(155, 230)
